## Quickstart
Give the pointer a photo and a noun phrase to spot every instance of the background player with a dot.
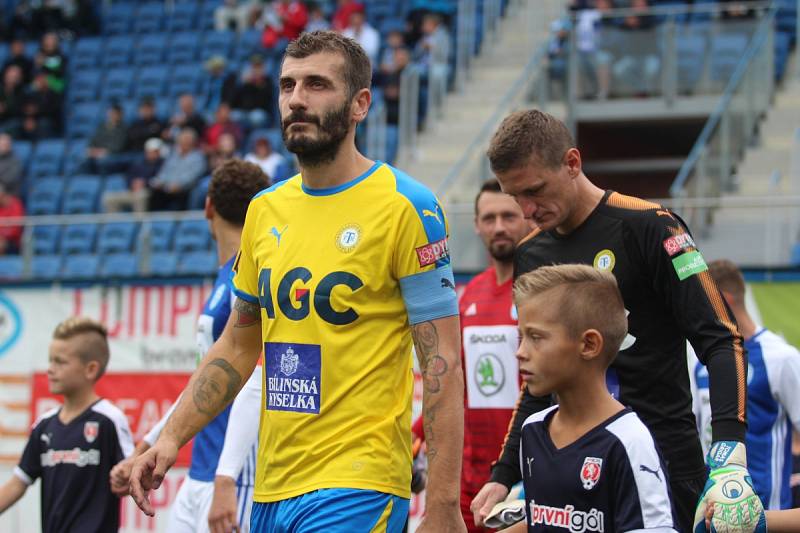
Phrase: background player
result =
(73, 447)
(773, 395)
(231, 187)
(588, 463)
(335, 264)
(489, 341)
(665, 285)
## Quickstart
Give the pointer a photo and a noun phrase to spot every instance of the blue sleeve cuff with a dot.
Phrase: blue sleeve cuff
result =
(430, 295)
(249, 298)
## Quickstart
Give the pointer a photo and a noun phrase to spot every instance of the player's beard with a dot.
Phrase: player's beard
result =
(333, 128)
(502, 251)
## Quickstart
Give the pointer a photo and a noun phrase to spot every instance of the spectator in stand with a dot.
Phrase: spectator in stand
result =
(170, 188)
(254, 97)
(17, 57)
(48, 16)
(80, 17)
(364, 34)
(235, 15)
(10, 166)
(341, 18)
(222, 124)
(316, 18)
(394, 41)
(107, 142)
(431, 55)
(266, 159)
(225, 151)
(139, 176)
(146, 126)
(52, 60)
(12, 97)
(186, 117)
(43, 108)
(221, 83)
(389, 80)
(10, 206)
(282, 20)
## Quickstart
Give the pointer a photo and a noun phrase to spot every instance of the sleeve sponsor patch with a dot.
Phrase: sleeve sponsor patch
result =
(433, 252)
(689, 264)
(678, 243)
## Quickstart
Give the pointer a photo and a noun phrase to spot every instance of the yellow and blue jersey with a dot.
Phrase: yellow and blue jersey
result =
(340, 274)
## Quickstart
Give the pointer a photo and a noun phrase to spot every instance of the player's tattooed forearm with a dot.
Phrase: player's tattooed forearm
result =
(247, 314)
(437, 367)
(426, 341)
(216, 385)
(429, 416)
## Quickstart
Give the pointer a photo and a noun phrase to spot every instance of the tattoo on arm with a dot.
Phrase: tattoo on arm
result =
(215, 386)
(430, 440)
(432, 365)
(247, 314)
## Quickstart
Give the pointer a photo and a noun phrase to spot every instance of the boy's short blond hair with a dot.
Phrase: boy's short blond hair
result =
(586, 299)
(94, 345)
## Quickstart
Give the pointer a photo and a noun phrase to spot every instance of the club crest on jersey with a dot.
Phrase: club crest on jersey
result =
(590, 472)
(604, 261)
(347, 238)
(289, 361)
(90, 431)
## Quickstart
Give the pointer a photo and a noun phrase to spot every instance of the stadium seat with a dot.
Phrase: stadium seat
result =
(197, 196)
(159, 235)
(117, 18)
(86, 54)
(116, 237)
(192, 235)
(115, 183)
(183, 16)
(197, 263)
(691, 54)
(274, 136)
(185, 79)
(726, 52)
(150, 18)
(46, 266)
(44, 196)
(75, 156)
(84, 85)
(119, 265)
(117, 52)
(81, 195)
(46, 239)
(47, 158)
(182, 48)
(151, 82)
(81, 266)
(163, 264)
(150, 50)
(78, 238)
(118, 84)
(11, 267)
(83, 119)
(249, 43)
(207, 15)
(217, 43)
(23, 150)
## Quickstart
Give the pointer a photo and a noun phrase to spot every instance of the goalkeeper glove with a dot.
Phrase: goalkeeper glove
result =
(737, 508)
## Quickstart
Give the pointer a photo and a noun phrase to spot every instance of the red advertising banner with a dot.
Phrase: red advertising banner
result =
(143, 397)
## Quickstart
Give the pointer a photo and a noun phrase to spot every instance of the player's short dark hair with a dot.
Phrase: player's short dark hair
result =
(587, 299)
(233, 184)
(357, 71)
(728, 278)
(526, 134)
(94, 345)
(490, 185)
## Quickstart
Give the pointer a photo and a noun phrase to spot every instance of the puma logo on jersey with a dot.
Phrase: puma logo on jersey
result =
(434, 214)
(645, 468)
(278, 234)
(446, 283)
(529, 460)
(45, 438)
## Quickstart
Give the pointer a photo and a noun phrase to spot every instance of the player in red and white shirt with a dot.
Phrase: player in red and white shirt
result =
(489, 337)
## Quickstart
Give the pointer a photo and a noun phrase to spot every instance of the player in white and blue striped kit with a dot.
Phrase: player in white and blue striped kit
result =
(773, 395)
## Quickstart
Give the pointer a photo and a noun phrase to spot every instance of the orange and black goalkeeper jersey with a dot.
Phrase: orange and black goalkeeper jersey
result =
(670, 297)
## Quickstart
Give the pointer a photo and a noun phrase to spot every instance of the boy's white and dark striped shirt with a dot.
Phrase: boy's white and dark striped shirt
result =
(610, 479)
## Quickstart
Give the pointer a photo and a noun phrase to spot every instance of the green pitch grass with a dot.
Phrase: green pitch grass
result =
(779, 305)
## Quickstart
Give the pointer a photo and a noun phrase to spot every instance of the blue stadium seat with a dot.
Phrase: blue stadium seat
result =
(44, 196)
(249, 44)
(199, 263)
(117, 52)
(192, 235)
(11, 267)
(159, 234)
(149, 18)
(86, 54)
(81, 195)
(197, 196)
(81, 266)
(46, 266)
(207, 15)
(118, 84)
(83, 119)
(273, 135)
(84, 85)
(217, 43)
(116, 237)
(46, 158)
(78, 238)
(31, 47)
(150, 50)
(117, 18)
(23, 150)
(122, 265)
(75, 156)
(46, 239)
(691, 54)
(163, 264)
(182, 47)
(151, 81)
(183, 16)
(726, 52)
(185, 79)
(115, 183)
